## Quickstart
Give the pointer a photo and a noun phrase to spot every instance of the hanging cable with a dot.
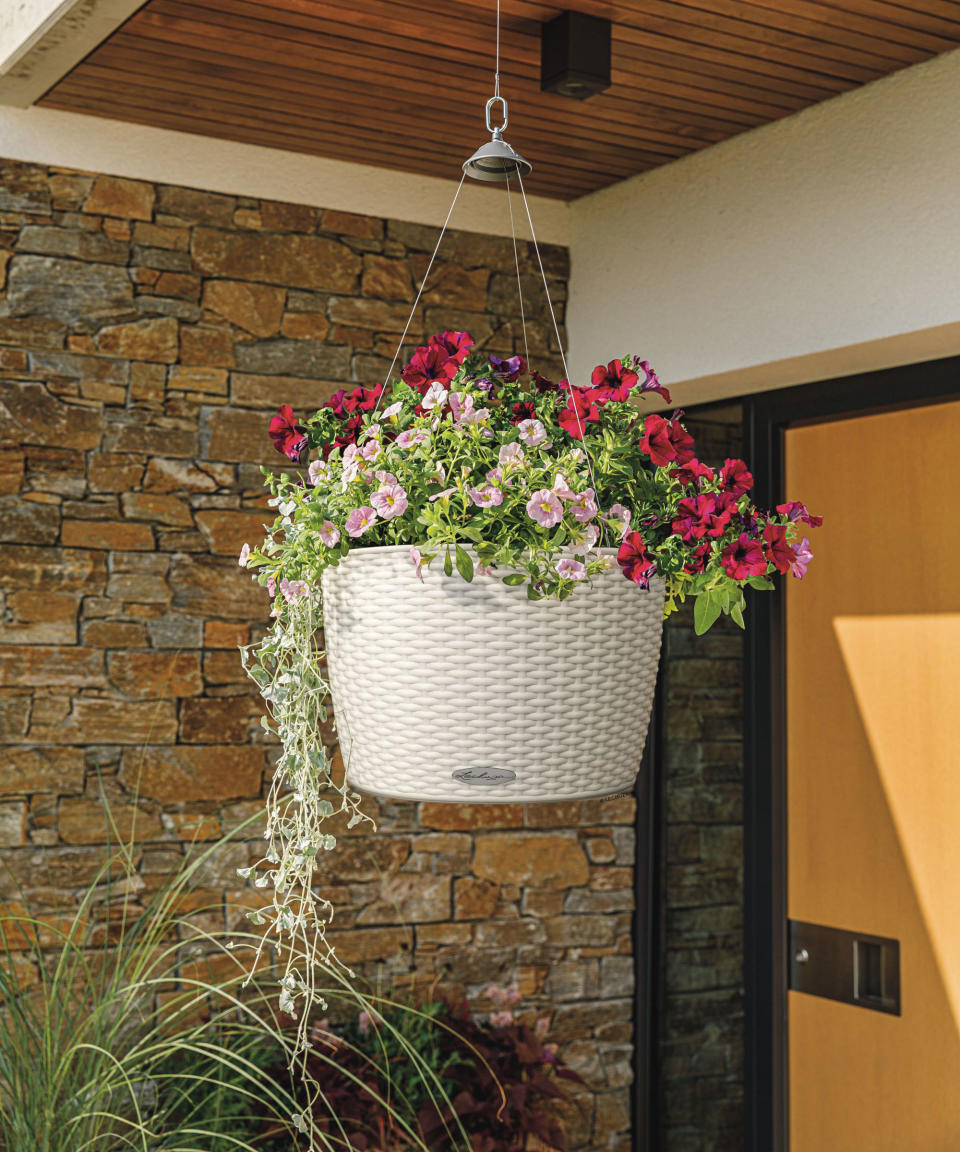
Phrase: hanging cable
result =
(406, 327)
(516, 260)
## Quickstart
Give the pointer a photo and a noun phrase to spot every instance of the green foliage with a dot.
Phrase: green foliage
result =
(103, 1035)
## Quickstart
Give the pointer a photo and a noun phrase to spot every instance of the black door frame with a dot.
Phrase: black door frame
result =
(766, 418)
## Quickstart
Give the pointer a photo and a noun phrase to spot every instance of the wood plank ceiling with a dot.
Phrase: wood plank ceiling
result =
(402, 83)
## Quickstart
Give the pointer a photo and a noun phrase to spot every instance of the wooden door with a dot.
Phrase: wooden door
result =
(873, 764)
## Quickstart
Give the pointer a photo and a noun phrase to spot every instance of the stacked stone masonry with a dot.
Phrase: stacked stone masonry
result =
(701, 963)
(147, 333)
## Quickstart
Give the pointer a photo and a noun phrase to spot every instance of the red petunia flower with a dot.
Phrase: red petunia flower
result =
(776, 548)
(794, 510)
(691, 473)
(736, 477)
(542, 384)
(457, 345)
(523, 410)
(428, 363)
(699, 516)
(580, 411)
(613, 381)
(665, 441)
(743, 558)
(635, 561)
(287, 435)
(698, 558)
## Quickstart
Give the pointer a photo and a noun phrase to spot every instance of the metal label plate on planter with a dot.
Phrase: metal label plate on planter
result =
(484, 777)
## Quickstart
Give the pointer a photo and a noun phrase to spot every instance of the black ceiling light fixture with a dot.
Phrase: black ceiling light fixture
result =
(575, 55)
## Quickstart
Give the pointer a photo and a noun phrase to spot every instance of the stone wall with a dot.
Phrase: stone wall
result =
(701, 960)
(147, 333)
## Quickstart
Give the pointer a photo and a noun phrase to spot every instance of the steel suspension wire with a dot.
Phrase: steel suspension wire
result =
(556, 329)
(406, 327)
(516, 260)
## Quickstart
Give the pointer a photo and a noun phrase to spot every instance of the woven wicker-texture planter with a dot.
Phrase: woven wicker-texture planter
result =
(457, 692)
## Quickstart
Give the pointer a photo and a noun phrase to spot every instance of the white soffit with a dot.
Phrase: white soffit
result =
(41, 40)
(93, 144)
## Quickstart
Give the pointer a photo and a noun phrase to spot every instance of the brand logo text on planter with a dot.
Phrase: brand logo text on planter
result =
(484, 777)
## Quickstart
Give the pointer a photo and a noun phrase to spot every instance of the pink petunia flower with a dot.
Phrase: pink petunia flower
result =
(586, 542)
(487, 496)
(442, 495)
(292, 590)
(801, 558)
(392, 410)
(329, 534)
(371, 450)
(351, 464)
(510, 455)
(619, 519)
(495, 475)
(501, 1019)
(571, 569)
(544, 506)
(532, 432)
(461, 403)
(271, 587)
(360, 520)
(390, 501)
(436, 396)
(411, 437)
(317, 471)
(244, 556)
(417, 561)
(584, 505)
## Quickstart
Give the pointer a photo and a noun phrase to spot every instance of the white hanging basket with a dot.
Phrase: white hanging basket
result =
(457, 692)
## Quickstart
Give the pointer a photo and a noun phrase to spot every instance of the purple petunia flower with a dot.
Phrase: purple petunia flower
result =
(801, 558)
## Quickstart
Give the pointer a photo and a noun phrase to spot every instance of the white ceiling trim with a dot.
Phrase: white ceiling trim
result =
(41, 40)
(93, 144)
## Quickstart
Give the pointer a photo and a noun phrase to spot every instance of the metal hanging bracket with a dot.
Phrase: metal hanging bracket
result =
(496, 161)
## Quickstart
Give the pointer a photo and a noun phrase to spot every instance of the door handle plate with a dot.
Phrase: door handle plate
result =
(851, 967)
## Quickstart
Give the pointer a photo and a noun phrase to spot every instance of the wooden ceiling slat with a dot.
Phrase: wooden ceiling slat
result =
(402, 83)
(818, 23)
(937, 16)
(345, 57)
(378, 24)
(338, 146)
(322, 102)
(464, 109)
(659, 21)
(317, 118)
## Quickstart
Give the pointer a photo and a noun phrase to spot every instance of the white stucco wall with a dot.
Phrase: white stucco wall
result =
(824, 244)
(46, 136)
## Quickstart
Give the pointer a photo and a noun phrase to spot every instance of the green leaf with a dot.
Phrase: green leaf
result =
(447, 563)
(761, 583)
(532, 593)
(736, 614)
(464, 564)
(514, 579)
(705, 612)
